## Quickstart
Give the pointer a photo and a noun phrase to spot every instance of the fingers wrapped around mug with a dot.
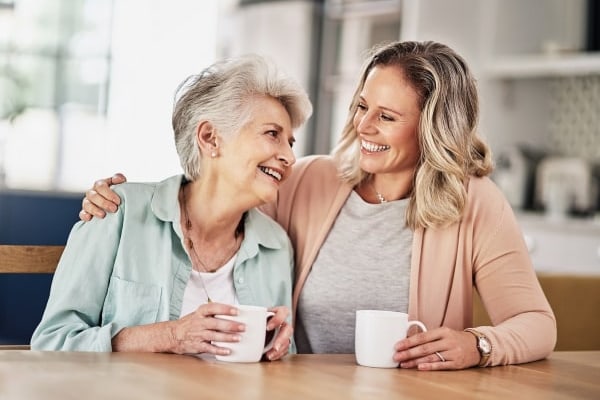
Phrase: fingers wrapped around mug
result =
(438, 349)
(282, 331)
(197, 331)
(282, 342)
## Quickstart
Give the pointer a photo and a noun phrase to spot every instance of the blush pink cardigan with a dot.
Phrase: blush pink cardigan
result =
(485, 250)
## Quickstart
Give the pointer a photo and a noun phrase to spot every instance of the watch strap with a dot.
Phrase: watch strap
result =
(479, 337)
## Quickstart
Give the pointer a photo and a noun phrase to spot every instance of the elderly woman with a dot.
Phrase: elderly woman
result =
(403, 217)
(153, 276)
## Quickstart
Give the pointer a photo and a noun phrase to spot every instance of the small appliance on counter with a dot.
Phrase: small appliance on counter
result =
(564, 185)
(515, 175)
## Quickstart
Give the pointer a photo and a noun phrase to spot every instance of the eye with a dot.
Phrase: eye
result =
(361, 106)
(386, 117)
(273, 133)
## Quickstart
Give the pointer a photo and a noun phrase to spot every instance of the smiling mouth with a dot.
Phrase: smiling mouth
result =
(271, 172)
(373, 147)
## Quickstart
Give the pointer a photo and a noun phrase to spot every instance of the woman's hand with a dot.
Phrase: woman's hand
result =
(281, 344)
(457, 348)
(195, 332)
(101, 198)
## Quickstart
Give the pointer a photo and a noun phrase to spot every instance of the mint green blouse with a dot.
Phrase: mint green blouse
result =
(131, 268)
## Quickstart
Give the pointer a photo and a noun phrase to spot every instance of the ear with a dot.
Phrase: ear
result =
(206, 137)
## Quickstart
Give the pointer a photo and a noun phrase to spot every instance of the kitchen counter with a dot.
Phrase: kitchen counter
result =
(567, 245)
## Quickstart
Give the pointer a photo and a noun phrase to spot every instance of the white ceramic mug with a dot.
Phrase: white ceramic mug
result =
(252, 345)
(376, 334)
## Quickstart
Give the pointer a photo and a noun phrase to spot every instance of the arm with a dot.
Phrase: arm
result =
(497, 264)
(92, 308)
(284, 341)
(524, 326)
(73, 313)
(191, 334)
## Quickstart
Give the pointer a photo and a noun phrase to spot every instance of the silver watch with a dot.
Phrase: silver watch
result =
(484, 346)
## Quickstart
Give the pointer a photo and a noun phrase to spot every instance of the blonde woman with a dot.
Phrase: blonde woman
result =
(402, 216)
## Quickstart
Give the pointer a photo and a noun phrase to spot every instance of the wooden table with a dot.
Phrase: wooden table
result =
(28, 375)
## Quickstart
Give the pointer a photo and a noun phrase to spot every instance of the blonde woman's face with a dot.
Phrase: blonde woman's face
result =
(386, 121)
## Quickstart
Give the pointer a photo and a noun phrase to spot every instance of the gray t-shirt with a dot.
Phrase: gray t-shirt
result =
(363, 264)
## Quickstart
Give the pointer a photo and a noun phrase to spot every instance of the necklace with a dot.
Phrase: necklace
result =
(190, 243)
(379, 196)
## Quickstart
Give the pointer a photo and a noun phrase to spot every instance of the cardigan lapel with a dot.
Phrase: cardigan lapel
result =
(432, 273)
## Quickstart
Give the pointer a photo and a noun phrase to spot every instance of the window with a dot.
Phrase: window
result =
(86, 86)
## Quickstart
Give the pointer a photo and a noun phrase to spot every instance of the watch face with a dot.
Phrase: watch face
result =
(484, 346)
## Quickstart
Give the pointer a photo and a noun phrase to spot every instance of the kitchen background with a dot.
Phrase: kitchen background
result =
(86, 90)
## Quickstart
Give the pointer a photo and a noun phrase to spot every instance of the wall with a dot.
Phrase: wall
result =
(29, 217)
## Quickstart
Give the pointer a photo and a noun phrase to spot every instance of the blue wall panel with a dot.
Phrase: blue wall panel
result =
(38, 218)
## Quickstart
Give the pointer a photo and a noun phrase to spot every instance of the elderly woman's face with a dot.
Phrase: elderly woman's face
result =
(260, 156)
(387, 121)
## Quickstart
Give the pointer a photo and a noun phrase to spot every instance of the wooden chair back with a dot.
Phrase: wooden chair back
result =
(575, 300)
(26, 259)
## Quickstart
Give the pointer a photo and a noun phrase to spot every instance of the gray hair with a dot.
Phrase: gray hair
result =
(222, 94)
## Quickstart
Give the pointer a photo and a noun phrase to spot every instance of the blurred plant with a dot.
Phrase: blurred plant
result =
(12, 94)
(12, 104)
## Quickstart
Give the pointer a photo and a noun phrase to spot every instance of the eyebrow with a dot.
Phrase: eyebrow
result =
(279, 129)
(362, 99)
(274, 125)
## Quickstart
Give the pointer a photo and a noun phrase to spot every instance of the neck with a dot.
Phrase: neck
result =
(211, 242)
(381, 188)
(212, 216)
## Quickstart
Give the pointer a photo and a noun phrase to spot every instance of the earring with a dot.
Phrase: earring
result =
(213, 154)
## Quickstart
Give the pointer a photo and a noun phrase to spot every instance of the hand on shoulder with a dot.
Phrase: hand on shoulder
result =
(101, 199)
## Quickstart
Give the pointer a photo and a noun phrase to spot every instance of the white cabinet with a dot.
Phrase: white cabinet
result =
(523, 52)
(563, 246)
(543, 66)
(535, 38)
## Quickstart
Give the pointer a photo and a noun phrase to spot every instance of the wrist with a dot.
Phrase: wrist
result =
(172, 343)
(483, 345)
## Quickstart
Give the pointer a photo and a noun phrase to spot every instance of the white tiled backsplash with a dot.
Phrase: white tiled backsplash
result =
(574, 125)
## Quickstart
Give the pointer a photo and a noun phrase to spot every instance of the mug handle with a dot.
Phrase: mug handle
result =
(270, 335)
(416, 323)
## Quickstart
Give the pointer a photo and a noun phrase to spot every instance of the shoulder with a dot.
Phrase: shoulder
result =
(135, 190)
(483, 195)
(161, 195)
(311, 174)
(321, 160)
(268, 232)
(309, 165)
(487, 209)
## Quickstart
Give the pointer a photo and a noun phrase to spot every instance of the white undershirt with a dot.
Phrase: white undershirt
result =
(219, 285)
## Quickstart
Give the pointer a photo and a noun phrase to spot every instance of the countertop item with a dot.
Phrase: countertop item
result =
(564, 185)
(567, 245)
(511, 175)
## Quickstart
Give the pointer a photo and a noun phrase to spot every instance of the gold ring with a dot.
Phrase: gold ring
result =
(441, 357)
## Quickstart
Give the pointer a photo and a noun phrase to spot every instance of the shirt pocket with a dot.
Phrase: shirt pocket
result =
(131, 303)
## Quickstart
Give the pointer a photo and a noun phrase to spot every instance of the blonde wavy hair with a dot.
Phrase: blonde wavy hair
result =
(451, 149)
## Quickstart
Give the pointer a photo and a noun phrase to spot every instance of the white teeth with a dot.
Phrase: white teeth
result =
(372, 147)
(272, 172)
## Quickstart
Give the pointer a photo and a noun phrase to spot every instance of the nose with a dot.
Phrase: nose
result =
(287, 156)
(364, 122)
